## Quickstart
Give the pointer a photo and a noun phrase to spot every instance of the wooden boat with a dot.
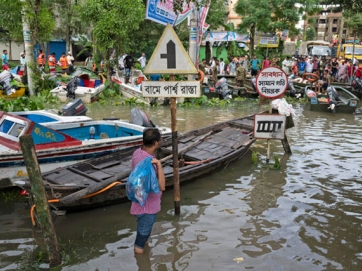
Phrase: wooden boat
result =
(88, 87)
(62, 143)
(201, 152)
(345, 101)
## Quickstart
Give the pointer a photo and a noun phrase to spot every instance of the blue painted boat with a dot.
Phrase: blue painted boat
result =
(61, 143)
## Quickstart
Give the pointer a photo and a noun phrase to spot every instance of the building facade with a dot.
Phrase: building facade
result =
(326, 24)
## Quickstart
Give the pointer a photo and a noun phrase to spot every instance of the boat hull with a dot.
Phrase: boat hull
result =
(20, 91)
(62, 142)
(347, 104)
(212, 148)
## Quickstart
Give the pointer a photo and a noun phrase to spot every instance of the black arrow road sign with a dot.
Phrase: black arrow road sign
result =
(170, 55)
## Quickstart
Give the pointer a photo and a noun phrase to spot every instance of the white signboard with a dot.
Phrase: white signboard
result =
(271, 82)
(269, 126)
(184, 89)
(170, 57)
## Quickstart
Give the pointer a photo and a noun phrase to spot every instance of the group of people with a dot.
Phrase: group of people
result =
(340, 70)
(238, 66)
(321, 72)
(5, 61)
(65, 62)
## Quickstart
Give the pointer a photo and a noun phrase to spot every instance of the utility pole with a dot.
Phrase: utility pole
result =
(29, 50)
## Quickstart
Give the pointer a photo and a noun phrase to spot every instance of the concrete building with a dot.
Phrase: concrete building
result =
(326, 24)
(233, 17)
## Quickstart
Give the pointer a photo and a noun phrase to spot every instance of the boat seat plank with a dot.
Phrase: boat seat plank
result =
(120, 168)
(100, 175)
(249, 122)
(187, 139)
(68, 178)
(222, 141)
(104, 165)
(227, 131)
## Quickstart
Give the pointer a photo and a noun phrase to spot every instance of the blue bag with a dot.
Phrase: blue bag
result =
(142, 181)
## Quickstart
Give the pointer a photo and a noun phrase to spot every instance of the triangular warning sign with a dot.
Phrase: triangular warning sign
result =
(170, 57)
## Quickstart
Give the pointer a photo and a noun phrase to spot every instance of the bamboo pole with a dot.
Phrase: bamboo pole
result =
(176, 177)
(37, 187)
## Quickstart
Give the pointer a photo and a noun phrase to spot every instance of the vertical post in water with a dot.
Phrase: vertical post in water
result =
(176, 178)
(37, 187)
(29, 51)
(268, 140)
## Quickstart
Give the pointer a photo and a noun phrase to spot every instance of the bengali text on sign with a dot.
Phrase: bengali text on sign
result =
(271, 82)
(171, 89)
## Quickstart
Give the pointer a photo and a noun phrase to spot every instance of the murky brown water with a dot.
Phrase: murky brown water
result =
(305, 216)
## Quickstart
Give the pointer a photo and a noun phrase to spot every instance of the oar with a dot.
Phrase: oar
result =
(93, 188)
(188, 147)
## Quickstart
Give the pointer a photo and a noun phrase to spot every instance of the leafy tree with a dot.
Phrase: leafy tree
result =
(217, 14)
(353, 21)
(37, 13)
(353, 6)
(112, 23)
(271, 16)
(310, 34)
(69, 21)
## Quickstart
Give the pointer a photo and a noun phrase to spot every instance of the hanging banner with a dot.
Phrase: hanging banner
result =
(202, 25)
(269, 41)
(226, 36)
(161, 11)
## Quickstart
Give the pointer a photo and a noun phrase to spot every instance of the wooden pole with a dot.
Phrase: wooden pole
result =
(37, 187)
(268, 140)
(176, 178)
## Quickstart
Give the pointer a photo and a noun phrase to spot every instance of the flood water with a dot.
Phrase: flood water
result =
(307, 215)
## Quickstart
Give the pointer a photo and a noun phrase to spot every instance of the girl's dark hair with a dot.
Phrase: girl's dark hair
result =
(150, 136)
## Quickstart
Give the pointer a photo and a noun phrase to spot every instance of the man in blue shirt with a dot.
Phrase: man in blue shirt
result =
(301, 64)
(5, 60)
(254, 66)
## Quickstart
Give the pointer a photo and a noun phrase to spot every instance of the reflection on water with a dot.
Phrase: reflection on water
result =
(304, 216)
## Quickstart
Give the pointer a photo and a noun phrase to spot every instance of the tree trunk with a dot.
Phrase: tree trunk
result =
(208, 51)
(252, 37)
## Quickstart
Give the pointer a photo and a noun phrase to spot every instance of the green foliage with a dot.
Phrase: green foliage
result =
(21, 104)
(353, 21)
(270, 16)
(353, 6)
(113, 22)
(10, 19)
(11, 195)
(87, 46)
(43, 82)
(276, 163)
(255, 157)
(310, 34)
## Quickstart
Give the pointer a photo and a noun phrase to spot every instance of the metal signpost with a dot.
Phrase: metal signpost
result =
(171, 58)
(271, 83)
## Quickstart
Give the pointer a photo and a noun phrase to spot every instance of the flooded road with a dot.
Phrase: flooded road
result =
(307, 215)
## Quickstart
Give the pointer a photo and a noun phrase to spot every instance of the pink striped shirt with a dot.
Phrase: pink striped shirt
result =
(153, 202)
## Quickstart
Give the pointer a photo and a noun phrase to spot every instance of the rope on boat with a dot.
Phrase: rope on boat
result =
(57, 200)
